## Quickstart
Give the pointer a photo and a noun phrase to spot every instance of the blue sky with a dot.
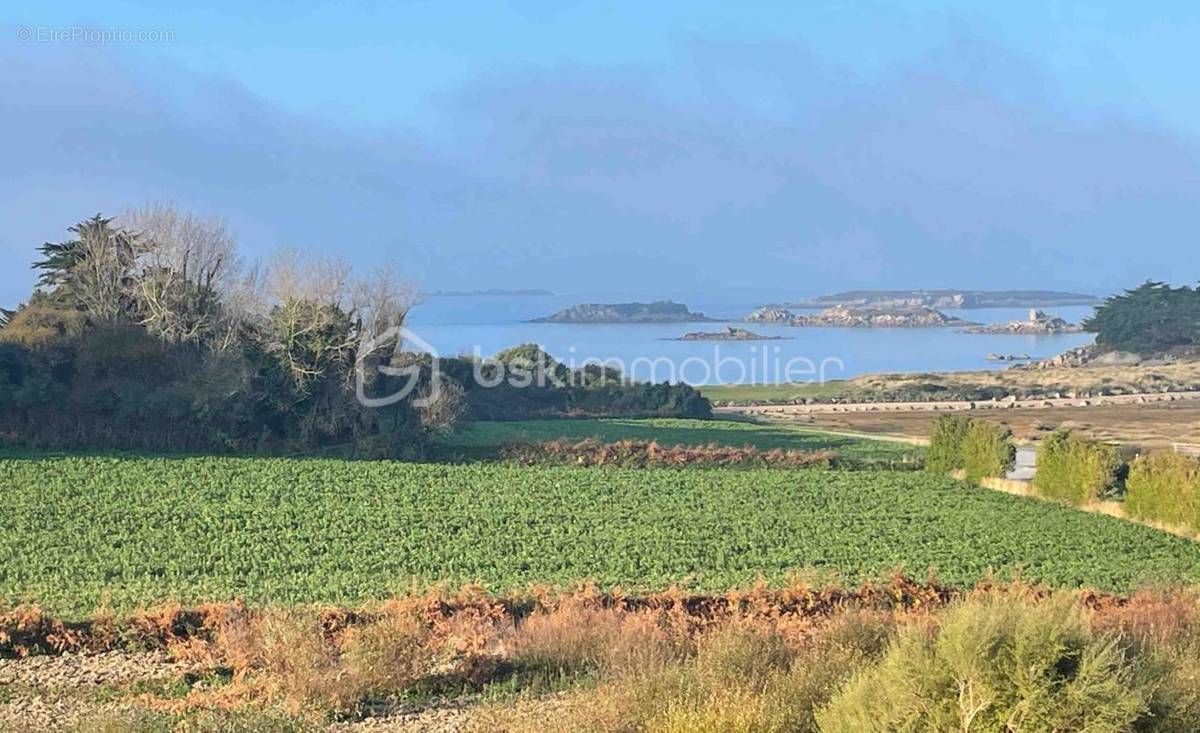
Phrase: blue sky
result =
(648, 148)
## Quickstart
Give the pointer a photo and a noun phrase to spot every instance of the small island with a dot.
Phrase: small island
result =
(845, 317)
(663, 311)
(730, 333)
(1038, 324)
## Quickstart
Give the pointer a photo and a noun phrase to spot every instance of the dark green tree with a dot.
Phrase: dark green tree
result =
(1152, 317)
(95, 270)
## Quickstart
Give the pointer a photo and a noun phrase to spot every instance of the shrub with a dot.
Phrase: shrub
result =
(640, 454)
(997, 663)
(977, 447)
(1075, 470)
(986, 451)
(1164, 487)
(945, 453)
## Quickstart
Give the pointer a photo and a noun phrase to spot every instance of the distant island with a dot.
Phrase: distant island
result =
(730, 333)
(845, 317)
(1038, 323)
(947, 299)
(663, 311)
(490, 293)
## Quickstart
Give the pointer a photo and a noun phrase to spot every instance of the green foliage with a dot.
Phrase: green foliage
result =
(978, 448)
(524, 382)
(945, 454)
(996, 664)
(44, 323)
(1152, 317)
(987, 451)
(1164, 487)
(1075, 470)
(338, 531)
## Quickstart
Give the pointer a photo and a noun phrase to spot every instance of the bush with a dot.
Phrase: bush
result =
(987, 451)
(945, 454)
(977, 447)
(995, 664)
(1164, 487)
(1075, 470)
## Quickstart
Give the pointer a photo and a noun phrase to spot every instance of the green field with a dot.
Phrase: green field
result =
(481, 437)
(141, 530)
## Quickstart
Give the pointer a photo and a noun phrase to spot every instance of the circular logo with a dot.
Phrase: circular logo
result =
(24, 33)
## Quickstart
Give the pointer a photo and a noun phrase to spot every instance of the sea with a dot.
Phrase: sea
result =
(481, 325)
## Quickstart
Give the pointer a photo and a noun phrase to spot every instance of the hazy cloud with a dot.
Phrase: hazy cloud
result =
(739, 165)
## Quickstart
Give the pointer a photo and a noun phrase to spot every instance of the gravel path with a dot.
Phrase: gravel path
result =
(70, 692)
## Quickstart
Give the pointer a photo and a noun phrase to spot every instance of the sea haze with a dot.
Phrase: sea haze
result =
(485, 325)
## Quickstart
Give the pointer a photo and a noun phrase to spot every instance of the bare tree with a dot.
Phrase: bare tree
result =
(200, 250)
(311, 328)
(381, 301)
(187, 266)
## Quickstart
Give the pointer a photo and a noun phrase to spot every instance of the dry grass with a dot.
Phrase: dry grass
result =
(756, 661)
(1151, 424)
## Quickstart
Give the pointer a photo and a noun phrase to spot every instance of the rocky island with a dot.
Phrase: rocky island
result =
(663, 311)
(1038, 323)
(846, 317)
(730, 333)
(948, 299)
(772, 314)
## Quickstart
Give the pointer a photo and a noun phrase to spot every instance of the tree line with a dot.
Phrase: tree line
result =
(149, 330)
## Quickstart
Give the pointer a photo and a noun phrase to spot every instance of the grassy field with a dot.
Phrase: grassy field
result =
(482, 437)
(1183, 375)
(76, 531)
(786, 392)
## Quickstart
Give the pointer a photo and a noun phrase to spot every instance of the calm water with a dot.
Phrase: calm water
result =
(486, 325)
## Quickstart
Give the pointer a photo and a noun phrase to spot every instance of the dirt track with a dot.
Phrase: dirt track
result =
(1152, 419)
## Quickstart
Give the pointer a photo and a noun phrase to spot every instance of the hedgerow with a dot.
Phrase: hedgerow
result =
(1075, 470)
(945, 453)
(1164, 487)
(987, 451)
(978, 448)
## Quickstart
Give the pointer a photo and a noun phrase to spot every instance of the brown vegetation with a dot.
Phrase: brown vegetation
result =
(792, 659)
(640, 454)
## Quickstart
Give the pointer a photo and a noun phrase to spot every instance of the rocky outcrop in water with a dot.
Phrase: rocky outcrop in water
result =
(1008, 357)
(846, 317)
(729, 334)
(1038, 323)
(772, 314)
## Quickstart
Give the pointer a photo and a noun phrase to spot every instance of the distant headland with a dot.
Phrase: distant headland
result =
(947, 299)
(663, 311)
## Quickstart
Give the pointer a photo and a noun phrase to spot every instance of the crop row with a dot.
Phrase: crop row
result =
(75, 531)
